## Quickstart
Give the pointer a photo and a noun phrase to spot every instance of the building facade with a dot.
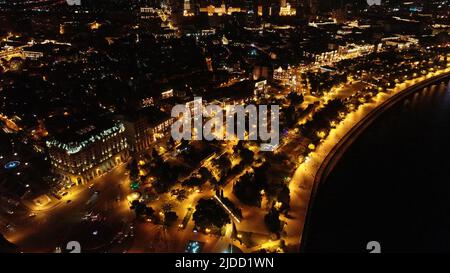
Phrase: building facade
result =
(145, 126)
(85, 153)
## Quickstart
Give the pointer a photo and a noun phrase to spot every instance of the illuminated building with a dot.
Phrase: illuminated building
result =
(148, 13)
(11, 53)
(144, 127)
(260, 88)
(220, 10)
(34, 4)
(88, 151)
(400, 42)
(167, 94)
(187, 9)
(282, 75)
(352, 50)
(287, 10)
(139, 134)
(200, 33)
(349, 51)
(24, 53)
(147, 102)
(33, 52)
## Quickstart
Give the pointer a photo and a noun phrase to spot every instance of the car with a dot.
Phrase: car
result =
(91, 186)
(57, 196)
(32, 214)
(68, 201)
(64, 193)
(97, 192)
(10, 212)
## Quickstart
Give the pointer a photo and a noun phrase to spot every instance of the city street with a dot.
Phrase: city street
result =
(62, 223)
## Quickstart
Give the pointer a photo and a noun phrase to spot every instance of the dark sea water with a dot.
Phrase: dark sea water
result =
(393, 184)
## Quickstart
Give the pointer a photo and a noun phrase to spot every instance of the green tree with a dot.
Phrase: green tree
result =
(170, 217)
(209, 214)
(248, 191)
(141, 209)
(272, 220)
(134, 169)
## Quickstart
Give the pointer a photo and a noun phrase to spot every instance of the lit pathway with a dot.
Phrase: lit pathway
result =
(302, 182)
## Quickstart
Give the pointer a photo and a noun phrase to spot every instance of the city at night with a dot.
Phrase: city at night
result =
(250, 128)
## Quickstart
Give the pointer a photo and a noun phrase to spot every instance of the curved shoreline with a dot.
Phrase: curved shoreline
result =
(329, 162)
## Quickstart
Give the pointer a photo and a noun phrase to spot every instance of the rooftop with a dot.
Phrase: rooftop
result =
(79, 135)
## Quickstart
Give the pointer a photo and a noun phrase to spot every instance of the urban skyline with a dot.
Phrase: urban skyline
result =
(87, 98)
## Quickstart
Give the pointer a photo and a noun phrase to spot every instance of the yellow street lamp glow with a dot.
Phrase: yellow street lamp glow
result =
(321, 134)
(278, 205)
(133, 196)
(95, 26)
